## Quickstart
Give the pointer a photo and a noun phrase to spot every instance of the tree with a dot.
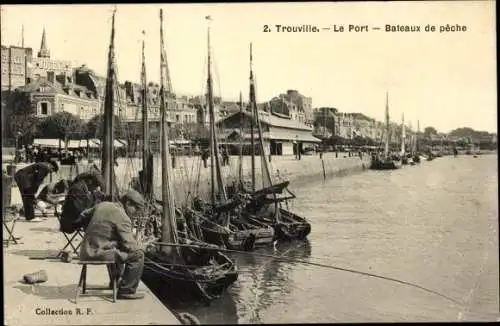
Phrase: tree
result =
(20, 116)
(94, 128)
(61, 125)
(429, 131)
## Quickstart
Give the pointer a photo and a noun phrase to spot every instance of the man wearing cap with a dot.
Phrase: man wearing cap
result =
(83, 193)
(28, 180)
(109, 236)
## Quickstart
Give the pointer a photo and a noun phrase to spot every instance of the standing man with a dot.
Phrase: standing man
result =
(109, 236)
(28, 180)
(204, 156)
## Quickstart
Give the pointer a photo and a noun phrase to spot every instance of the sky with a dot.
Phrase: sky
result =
(443, 79)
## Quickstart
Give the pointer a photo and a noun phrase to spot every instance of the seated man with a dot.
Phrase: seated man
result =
(84, 192)
(109, 236)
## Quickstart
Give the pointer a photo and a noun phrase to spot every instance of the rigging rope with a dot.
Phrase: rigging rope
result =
(349, 270)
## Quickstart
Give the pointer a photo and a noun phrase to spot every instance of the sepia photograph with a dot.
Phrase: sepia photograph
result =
(249, 163)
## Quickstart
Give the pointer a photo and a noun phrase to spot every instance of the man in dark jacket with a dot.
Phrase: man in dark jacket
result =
(109, 236)
(28, 180)
(84, 192)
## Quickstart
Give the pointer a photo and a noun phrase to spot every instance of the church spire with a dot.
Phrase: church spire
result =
(44, 51)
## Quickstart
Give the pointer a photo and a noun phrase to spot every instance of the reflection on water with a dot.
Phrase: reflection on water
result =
(433, 224)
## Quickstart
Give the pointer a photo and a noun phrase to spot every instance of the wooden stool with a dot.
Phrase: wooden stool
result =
(82, 283)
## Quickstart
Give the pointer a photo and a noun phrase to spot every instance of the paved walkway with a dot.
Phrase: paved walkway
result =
(32, 304)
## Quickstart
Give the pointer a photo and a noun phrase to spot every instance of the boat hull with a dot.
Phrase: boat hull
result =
(204, 283)
(385, 165)
(239, 240)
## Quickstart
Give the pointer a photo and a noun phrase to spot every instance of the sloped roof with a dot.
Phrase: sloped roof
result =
(272, 120)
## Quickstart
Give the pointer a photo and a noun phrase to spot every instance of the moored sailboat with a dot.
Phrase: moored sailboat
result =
(200, 272)
(385, 161)
(223, 221)
(264, 203)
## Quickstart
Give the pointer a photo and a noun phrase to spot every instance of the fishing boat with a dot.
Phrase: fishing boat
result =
(385, 161)
(265, 204)
(201, 272)
(222, 220)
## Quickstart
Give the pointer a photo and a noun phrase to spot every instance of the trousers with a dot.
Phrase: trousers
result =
(131, 272)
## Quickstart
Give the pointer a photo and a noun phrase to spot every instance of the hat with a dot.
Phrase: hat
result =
(54, 165)
(134, 197)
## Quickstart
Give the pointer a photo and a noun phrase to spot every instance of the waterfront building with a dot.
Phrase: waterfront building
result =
(293, 105)
(279, 134)
(52, 94)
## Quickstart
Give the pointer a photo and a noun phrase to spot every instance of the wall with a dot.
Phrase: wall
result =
(14, 64)
(40, 67)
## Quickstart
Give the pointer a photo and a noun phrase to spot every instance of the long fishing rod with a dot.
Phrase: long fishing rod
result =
(313, 264)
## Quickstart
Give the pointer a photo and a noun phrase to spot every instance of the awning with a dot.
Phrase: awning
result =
(77, 143)
(48, 142)
(117, 143)
(291, 135)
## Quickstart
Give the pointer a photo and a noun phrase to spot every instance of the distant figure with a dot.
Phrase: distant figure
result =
(225, 157)
(109, 236)
(28, 180)
(204, 157)
(173, 160)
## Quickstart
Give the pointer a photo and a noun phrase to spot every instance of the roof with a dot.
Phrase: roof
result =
(271, 120)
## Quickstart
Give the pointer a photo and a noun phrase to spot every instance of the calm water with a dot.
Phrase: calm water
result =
(434, 224)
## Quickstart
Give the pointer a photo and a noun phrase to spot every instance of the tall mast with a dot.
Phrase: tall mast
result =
(146, 186)
(265, 174)
(403, 135)
(168, 225)
(240, 167)
(386, 150)
(22, 36)
(108, 123)
(215, 170)
(252, 140)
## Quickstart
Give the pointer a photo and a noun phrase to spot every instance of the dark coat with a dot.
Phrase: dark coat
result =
(81, 196)
(109, 234)
(30, 178)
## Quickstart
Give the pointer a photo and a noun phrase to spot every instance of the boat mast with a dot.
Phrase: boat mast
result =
(266, 175)
(252, 140)
(146, 186)
(240, 167)
(386, 150)
(403, 136)
(215, 170)
(108, 117)
(168, 225)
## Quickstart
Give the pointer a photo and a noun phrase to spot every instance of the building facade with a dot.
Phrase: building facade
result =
(281, 136)
(293, 105)
(15, 70)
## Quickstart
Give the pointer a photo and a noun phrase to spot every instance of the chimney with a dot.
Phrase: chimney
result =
(51, 76)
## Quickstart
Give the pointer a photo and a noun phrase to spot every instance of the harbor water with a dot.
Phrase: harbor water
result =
(434, 224)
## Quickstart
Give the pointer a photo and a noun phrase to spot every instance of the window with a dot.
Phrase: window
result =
(62, 106)
(44, 108)
(177, 117)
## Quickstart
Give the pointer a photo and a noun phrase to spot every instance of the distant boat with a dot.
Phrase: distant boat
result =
(386, 161)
